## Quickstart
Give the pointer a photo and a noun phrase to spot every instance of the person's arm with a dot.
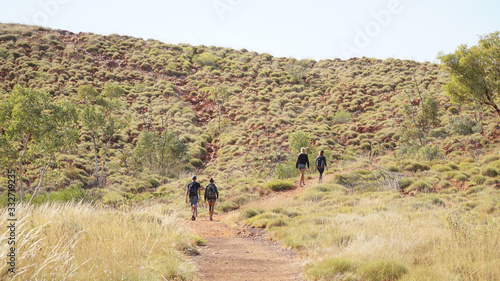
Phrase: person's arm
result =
(216, 192)
(297, 164)
(307, 161)
(187, 193)
(199, 191)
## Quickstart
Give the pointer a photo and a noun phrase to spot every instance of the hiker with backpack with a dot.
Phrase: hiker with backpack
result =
(193, 192)
(211, 194)
(302, 160)
(321, 164)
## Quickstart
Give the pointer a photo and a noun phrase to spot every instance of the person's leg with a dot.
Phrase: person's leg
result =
(196, 209)
(211, 205)
(302, 181)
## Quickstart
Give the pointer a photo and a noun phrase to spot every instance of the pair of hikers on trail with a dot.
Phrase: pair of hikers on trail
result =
(303, 160)
(193, 192)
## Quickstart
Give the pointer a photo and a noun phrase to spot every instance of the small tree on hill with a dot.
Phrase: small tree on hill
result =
(420, 115)
(475, 72)
(219, 94)
(101, 116)
(297, 140)
(159, 153)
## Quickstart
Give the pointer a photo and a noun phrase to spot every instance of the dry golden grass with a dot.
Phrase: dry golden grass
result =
(384, 236)
(83, 242)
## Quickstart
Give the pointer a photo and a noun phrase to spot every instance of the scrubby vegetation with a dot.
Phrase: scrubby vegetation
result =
(380, 234)
(413, 168)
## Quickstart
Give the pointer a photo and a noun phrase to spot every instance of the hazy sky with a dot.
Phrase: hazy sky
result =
(405, 29)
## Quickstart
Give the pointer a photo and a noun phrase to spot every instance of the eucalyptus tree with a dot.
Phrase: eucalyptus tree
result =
(475, 73)
(33, 129)
(101, 115)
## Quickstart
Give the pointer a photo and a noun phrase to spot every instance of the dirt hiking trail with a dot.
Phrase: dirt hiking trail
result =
(241, 253)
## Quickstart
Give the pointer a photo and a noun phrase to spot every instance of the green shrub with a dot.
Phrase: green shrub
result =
(420, 185)
(464, 126)
(113, 198)
(330, 269)
(475, 189)
(438, 133)
(416, 166)
(453, 110)
(449, 190)
(406, 182)
(297, 140)
(279, 185)
(248, 213)
(478, 179)
(228, 206)
(430, 153)
(267, 219)
(195, 162)
(450, 175)
(154, 183)
(341, 117)
(285, 170)
(491, 158)
(382, 270)
(460, 177)
(490, 172)
(441, 168)
(444, 184)
(205, 59)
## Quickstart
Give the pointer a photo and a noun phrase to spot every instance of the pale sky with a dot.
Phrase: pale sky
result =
(404, 29)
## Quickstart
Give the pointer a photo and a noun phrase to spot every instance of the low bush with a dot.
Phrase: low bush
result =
(279, 185)
(415, 166)
(228, 206)
(490, 172)
(460, 177)
(330, 269)
(267, 219)
(382, 270)
(341, 117)
(475, 189)
(406, 182)
(478, 179)
(421, 186)
(195, 162)
(249, 213)
(444, 184)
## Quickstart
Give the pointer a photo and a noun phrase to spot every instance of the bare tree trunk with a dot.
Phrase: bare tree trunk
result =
(41, 182)
(219, 117)
(101, 178)
(20, 168)
(492, 103)
(96, 163)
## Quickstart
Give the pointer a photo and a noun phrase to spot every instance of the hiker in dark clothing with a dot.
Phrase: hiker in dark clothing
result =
(211, 194)
(193, 192)
(302, 161)
(321, 164)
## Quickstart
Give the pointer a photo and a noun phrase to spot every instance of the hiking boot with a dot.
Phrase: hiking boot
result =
(211, 219)
(193, 218)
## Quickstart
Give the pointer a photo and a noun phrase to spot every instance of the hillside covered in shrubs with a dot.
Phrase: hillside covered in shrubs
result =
(238, 116)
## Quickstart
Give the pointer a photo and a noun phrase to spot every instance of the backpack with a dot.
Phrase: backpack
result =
(211, 191)
(320, 161)
(193, 189)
